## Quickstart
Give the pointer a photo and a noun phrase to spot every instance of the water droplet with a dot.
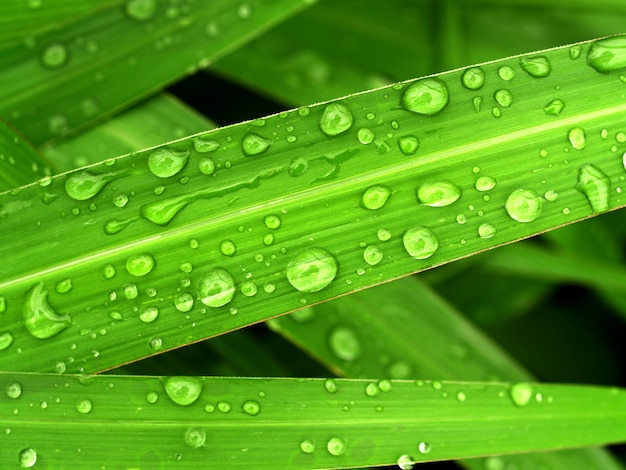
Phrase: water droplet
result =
(183, 390)
(27, 458)
(120, 200)
(307, 446)
(330, 385)
(485, 183)
(607, 55)
(206, 166)
(506, 73)
(524, 205)
(166, 162)
(251, 407)
(496, 112)
(473, 78)
(423, 447)
(577, 138)
(504, 98)
(408, 144)
(217, 288)
(64, 286)
(537, 67)
(152, 397)
(141, 10)
(336, 446)
(228, 248)
(55, 55)
(130, 291)
(40, 319)
(428, 96)
(461, 396)
(375, 197)
(596, 187)
(6, 340)
(365, 136)
(156, 343)
(420, 242)
(521, 393)
(85, 185)
(14, 390)
(574, 52)
(298, 166)
(383, 234)
(312, 270)
(486, 231)
(372, 255)
(405, 462)
(477, 101)
(371, 390)
(223, 406)
(254, 144)
(551, 195)
(438, 193)
(344, 343)
(183, 302)
(195, 437)
(149, 314)
(84, 406)
(140, 265)
(272, 221)
(554, 107)
(336, 119)
(203, 144)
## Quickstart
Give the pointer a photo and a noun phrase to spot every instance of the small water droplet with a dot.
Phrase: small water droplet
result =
(224, 406)
(473, 78)
(13, 390)
(371, 390)
(577, 138)
(130, 291)
(477, 102)
(506, 73)
(254, 144)
(312, 270)
(344, 343)
(375, 197)
(84, 185)
(183, 390)
(152, 397)
(149, 314)
(217, 288)
(249, 289)
(55, 55)
(228, 248)
(336, 119)
(372, 255)
(336, 446)
(423, 447)
(84, 406)
(554, 107)
(408, 144)
(140, 265)
(365, 136)
(206, 166)
(383, 235)
(537, 66)
(504, 98)
(524, 205)
(607, 55)
(6, 340)
(184, 302)
(405, 462)
(427, 96)
(460, 395)
(420, 242)
(595, 185)
(551, 195)
(251, 407)
(486, 231)
(485, 183)
(574, 52)
(203, 144)
(140, 10)
(330, 385)
(40, 319)
(166, 162)
(521, 393)
(27, 458)
(438, 193)
(195, 437)
(307, 446)
(272, 222)
(156, 343)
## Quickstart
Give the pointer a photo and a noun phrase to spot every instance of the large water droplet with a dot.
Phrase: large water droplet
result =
(375, 197)
(344, 343)
(165, 162)
(149, 314)
(405, 462)
(140, 265)
(596, 186)
(195, 437)
(537, 67)
(607, 55)
(40, 319)
(473, 78)
(251, 407)
(254, 144)
(336, 446)
(27, 458)
(577, 138)
(420, 242)
(521, 393)
(312, 270)
(13, 390)
(141, 10)
(55, 55)
(183, 390)
(428, 96)
(336, 119)
(408, 144)
(438, 193)
(524, 205)
(217, 288)
(6, 340)
(85, 185)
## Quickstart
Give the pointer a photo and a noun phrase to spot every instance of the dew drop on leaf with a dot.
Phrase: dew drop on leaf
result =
(524, 205)
(504, 98)
(330, 385)
(156, 343)
(554, 107)
(84, 406)
(140, 10)
(312, 270)
(438, 193)
(183, 390)
(249, 289)
(140, 265)
(537, 66)
(405, 462)
(607, 55)
(149, 314)
(298, 166)
(228, 248)
(473, 78)
(217, 288)
(577, 138)
(120, 200)
(130, 291)
(506, 73)
(40, 319)
(195, 437)
(423, 447)
(13, 390)
(152, 397)
(224, 406)
(420, 242)
(55, 55)
(85, 185)
(375, 197)
(427, 96)
(372, 255)
(344, 343)
(521, 393)
(371, 390)
(307, 446)
(254, 144)
(204, 145)
(27, 458)
(336, 446)
(166, 162)
(486, 231)
(272, 221)
(183, 302)
(383, 234)
(365, 136)
(336, 118)
(595, 185)
(408, 144)
(251, 407)
(485, 183)
(6, 340)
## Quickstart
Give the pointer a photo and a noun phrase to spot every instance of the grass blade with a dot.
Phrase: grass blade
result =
(20, 164)
(195, 422)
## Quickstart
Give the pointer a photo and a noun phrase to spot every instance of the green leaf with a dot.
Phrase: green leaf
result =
(20, 164)
(58, 421)
(221, 230)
